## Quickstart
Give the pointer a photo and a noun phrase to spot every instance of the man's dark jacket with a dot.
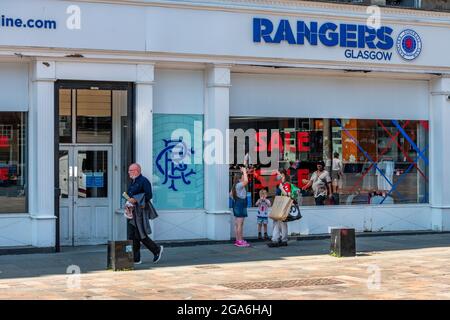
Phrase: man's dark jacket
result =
(141, 190)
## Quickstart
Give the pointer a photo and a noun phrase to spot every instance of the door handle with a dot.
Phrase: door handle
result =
(75, 174)
(70, 171)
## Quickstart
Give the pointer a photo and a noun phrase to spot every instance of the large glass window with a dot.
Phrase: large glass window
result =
(13, 162)
(65, 116)
(178, 180)
(85, 115)
(367, 161)
(94, 116)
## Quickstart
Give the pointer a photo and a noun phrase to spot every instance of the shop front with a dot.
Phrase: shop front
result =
(186, 89)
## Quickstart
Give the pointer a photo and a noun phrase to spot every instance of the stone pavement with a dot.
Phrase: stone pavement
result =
(407, 267)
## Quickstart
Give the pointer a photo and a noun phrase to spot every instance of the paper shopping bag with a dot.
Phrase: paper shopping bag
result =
(280, 208)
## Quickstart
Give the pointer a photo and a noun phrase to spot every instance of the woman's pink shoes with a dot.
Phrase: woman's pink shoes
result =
(241, 243)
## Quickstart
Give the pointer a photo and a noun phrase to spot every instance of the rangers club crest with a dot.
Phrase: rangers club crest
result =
(409, 44)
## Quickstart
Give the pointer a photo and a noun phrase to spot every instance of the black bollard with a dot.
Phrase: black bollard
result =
(343, 242)
(120, 255)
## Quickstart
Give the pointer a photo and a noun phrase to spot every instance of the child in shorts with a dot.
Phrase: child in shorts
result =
(263, 214)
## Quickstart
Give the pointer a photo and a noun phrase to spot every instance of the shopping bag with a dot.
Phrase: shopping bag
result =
(281, 208)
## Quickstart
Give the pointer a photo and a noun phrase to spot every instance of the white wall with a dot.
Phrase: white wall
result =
(180, 225)
(326, 97)
(362, 218)
(96, 71)
(14, 94)
(179, 91)
(15, 230)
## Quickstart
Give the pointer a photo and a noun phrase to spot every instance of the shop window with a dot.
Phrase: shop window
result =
(13, 162)
(178, 180)
(85, 115)
(94, 116)
(372, 162)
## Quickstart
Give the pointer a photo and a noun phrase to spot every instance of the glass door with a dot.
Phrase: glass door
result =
(66, 200)
(85, 197)
(95, 135)
(92, 199)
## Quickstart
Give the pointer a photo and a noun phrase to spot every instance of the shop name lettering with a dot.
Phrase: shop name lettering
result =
(367, 42)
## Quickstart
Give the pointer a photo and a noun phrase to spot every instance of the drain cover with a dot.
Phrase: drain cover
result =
(281, 284)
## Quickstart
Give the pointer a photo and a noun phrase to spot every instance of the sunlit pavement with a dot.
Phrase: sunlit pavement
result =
(389, 267)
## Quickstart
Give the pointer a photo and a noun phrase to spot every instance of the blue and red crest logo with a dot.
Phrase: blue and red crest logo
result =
(409, 44)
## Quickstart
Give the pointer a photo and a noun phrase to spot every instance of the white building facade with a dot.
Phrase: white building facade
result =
(87, 87)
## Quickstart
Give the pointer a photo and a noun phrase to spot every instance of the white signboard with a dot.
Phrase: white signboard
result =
(102, 26)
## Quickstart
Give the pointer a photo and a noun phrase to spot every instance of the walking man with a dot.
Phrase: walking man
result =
(138, 228)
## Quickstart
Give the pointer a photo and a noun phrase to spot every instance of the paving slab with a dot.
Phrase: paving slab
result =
(388, 267)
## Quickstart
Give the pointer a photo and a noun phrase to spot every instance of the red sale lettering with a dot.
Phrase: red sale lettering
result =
(275, 142)
(261, 141)
(302, 139)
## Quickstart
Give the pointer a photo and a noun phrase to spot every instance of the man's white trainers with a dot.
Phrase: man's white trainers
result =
(159, 255)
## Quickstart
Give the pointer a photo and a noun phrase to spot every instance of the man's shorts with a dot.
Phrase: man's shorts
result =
(262, 220)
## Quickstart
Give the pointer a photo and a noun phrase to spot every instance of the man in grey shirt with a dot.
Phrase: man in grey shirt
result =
(320, 182)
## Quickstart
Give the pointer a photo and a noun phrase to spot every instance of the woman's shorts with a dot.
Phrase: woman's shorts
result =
(240, 208)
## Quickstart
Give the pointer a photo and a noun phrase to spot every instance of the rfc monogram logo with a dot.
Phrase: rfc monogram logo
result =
(409, 44)
(171, 162)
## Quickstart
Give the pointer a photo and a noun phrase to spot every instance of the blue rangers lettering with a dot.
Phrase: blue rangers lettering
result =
(368, 55)
(328, 34)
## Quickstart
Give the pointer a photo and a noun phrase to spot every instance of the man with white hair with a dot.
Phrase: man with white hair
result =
(138, 229)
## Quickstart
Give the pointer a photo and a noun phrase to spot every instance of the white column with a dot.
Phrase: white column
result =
(217, 116)
(440, 154)
(144, 121)
(144, 118)
(41, 181)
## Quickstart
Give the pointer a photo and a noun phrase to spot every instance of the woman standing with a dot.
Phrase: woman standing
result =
(239, 195)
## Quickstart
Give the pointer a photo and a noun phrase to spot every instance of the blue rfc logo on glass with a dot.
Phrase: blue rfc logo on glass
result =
(170, 162)
(409, 44)
(178, 175)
